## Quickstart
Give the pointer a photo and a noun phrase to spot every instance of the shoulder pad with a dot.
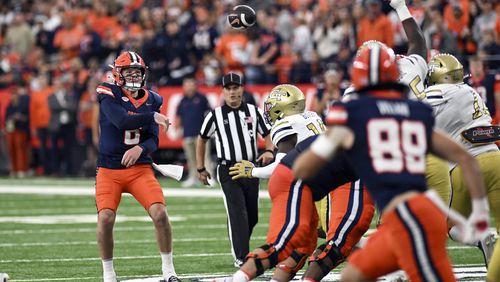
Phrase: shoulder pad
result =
(107, 89)
(280, 130)
(157, 97)
(337, 115)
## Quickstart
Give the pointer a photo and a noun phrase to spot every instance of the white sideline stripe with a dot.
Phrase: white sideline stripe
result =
(183, 240)
(82, 191)
(115, 258)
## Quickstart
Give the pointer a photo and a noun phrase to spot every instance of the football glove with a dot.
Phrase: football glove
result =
(477, 221)
(397, 4)
(242, 169)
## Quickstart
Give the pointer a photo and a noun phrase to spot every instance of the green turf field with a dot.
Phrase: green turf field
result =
(52, 237)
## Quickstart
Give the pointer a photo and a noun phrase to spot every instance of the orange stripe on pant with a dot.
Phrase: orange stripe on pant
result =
(351, 213)
(293, 222)
(413, 238)
(138, 180)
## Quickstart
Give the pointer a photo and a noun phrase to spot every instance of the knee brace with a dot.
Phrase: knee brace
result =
(328, 258)
(300, 260)
(269, 254)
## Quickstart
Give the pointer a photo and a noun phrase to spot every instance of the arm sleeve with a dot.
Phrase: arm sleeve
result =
(119, 117)
(208, 126)
(266, 171)
(151, 143)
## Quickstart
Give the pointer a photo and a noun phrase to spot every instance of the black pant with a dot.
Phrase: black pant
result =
(242, 203)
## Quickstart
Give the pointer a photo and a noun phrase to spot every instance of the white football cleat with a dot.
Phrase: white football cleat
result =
(4, 277)
(396, 276)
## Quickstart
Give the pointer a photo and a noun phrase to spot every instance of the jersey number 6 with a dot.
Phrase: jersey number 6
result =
(395, 146)
(132, 137)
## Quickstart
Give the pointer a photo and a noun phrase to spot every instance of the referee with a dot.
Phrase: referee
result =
(235, 126)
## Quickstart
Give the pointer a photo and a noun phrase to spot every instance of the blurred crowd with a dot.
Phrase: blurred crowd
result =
(54, 53)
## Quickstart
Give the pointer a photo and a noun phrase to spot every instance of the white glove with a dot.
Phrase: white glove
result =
(477, 223)
(397, 4)
(401, 9)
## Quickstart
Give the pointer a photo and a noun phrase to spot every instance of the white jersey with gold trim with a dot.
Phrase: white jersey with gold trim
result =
(458, 107)
(304, 125)
(413, 70)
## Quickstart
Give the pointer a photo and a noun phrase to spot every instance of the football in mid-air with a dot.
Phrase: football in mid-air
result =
(242, 16)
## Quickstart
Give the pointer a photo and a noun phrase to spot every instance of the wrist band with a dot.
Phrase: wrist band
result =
(480, 204)
(200, 170)
(270, 151)
(323, 147)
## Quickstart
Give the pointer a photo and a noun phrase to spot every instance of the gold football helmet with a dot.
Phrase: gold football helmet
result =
(444, 68)
(283, 100)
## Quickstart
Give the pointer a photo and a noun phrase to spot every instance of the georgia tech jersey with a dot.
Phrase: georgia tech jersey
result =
(413, 69)
(304, 125)
(458, 107)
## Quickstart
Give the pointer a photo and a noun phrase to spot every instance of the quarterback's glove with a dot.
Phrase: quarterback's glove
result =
(242, 169)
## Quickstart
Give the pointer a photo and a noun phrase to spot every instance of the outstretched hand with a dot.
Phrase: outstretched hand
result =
(163, 121)
(395, 4)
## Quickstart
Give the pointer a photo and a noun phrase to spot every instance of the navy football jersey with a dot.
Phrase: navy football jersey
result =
(125, 122)
(337, 172)
(392, 137)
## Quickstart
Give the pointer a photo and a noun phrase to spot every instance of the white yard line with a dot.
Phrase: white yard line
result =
(115, 258)
(85, 191)
(147, 241)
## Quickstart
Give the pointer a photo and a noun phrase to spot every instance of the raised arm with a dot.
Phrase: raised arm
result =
(416, 39)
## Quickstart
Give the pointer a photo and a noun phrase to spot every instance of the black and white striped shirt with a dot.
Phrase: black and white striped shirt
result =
(235, 131)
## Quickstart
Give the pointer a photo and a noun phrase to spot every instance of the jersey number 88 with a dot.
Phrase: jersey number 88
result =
(396, 146)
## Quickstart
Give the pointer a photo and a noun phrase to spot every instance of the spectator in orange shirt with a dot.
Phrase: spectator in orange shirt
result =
(497, 27)
(68, 38)
(86, 108)
(375, 25)
(456, 18)
(39, 119)
(284, 63)
(231, 50)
